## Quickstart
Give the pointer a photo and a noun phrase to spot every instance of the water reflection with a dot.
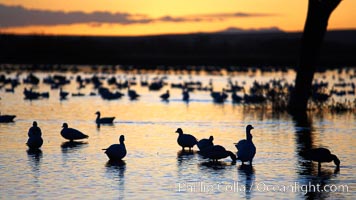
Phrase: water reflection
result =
(98, 125)
(114, 166)
(35, 157)
(246, 173)
(116, 170)
(304, 141)
(317, 183)
(182, 154)
(310, 177)
(68, 147)
(217, 165)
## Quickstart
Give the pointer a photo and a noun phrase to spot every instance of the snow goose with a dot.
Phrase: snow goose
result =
(204, 143)
(35, 140)
(216, 152)
(103, 120)
(117, 151)
(321, 155)
(71, 133)
(185, 140)
(246, 148)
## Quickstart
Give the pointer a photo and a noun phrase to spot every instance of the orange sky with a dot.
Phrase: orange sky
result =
(143, 17)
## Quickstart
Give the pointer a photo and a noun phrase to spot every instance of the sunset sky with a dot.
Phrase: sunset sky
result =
(152, 17)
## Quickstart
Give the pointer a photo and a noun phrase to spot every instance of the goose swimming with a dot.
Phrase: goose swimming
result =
(216, 152)
(204, 143)
(132, 94)
(6, 118)
(103, 120)
(321, 155)
(185, 140)
(71, 133)
(246, 148)
(165, 96)
(63, 94)
(35, 140)
(117, 151)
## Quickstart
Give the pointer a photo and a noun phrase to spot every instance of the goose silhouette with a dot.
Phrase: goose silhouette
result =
(35, 140)
(63, 94)
(103, 120)
(117, 151)
(185, 94)
(216, 152)
(7, 118)
(72, 134)
(165, 96)
(185, 140)
(132, 94)
(246, 148)
(204, 143)
(321, 155)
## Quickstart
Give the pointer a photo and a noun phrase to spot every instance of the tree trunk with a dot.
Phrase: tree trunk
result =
(315, 28)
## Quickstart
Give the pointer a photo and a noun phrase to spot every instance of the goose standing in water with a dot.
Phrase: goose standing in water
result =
(204, 143)
(246, 148)
(117, 151)
(185, 140)
(103, 120)
(321, 155)
(35, 140)
(71, 133)
(216, 152)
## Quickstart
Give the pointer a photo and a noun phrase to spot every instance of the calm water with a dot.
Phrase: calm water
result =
(154, 166)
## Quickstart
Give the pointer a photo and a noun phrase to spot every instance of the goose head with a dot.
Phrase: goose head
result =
(211, 138)
(65, 125)
(248, 132)
(34, 124)
(97, 113)
(179, 131)
(336, 160)
(122, 138)
(249, 128)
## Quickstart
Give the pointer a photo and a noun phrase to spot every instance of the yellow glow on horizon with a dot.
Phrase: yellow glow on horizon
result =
(288, 15)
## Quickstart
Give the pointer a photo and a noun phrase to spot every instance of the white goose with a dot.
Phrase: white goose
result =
(35, 140)
(246, 148)
(117, 151)
(204, 143)
(185, 140)
(71, 133)
(103, 120)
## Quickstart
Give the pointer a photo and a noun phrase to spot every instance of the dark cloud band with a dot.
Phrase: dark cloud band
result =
(18, 16)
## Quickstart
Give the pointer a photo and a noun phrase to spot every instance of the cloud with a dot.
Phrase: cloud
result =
(18, 16)
(14, 16)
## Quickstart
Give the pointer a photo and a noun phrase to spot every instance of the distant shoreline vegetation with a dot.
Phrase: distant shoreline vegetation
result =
(221, 50)
(141, 69)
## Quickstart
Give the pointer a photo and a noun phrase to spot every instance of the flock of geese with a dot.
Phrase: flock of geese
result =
(246, 150)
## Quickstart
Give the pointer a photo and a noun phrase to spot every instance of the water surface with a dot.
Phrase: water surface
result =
(155, 167)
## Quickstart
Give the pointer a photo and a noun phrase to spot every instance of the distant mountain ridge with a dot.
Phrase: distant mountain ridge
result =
(232, 46)
(260, 30)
